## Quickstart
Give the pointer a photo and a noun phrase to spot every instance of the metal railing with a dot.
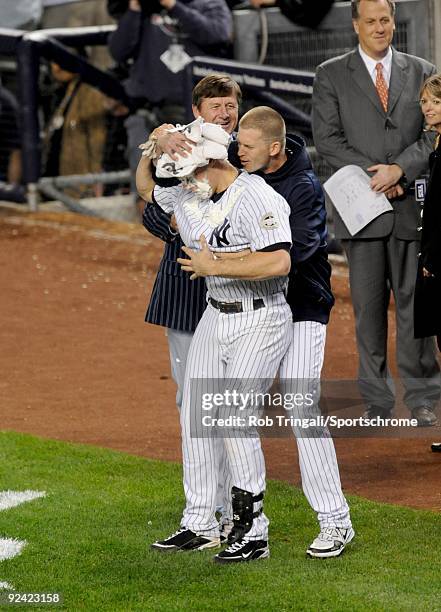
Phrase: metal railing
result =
(265, 84)
(29, 48)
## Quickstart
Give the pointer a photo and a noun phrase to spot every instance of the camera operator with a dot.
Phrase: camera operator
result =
(159, 38)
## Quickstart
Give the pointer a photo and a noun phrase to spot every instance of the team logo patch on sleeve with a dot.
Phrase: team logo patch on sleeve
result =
(269, 221)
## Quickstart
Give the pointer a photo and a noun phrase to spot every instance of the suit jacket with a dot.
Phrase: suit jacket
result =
(350, 126)
(427, 303)
(176, 301)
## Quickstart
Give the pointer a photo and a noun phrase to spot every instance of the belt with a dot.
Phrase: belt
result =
(235, 307)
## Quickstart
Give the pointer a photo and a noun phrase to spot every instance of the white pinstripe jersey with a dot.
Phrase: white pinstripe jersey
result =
(249, 215)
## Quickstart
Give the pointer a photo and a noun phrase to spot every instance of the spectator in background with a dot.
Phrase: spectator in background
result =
(160, 46)
(427, 306)
(75, 134)
(10, 149)
(10, 146)
(20, 14)
(428, 284)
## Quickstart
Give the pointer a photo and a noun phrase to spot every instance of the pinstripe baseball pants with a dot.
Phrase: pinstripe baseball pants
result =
(179, 343)
(230, 349)
(300, 373)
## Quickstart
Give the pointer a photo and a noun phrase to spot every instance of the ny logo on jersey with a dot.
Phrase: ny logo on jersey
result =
(220, 235)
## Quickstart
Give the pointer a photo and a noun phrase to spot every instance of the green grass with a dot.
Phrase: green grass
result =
(89, 540)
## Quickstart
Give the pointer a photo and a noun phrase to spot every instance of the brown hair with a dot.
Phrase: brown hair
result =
(355, 5)
(268, 121)
(433, 86)
(216, 86)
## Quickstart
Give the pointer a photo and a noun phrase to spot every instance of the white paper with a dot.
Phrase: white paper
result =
(350, 192)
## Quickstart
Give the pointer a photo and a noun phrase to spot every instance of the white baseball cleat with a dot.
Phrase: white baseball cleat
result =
(330, 542)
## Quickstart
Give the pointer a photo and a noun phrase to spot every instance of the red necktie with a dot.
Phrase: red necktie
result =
(381, 86)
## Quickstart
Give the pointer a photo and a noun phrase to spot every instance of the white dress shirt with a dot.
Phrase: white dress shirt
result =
(371, 63)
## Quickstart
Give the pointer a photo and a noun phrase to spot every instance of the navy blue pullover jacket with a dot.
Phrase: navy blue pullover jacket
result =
(309, 288)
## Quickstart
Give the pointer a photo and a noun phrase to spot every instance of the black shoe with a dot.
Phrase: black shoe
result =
(436, 447)
(184, 539)
(244, 550)
(372, 412)
(424, 415)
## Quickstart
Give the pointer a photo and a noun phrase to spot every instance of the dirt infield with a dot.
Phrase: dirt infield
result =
(78, 363)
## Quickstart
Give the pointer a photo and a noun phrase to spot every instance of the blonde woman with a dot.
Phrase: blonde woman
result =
(428, 284)
(428, 293)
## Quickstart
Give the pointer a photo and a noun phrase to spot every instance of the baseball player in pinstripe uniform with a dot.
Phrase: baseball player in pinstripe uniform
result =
(177, 303)
(216, 99)
(242, 337)
(261, 142)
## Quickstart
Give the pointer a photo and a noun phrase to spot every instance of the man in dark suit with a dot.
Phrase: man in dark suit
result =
(366, 112)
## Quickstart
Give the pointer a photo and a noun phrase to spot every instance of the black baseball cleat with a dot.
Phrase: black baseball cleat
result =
(185, 539)
(244, 550)
(436, 447)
